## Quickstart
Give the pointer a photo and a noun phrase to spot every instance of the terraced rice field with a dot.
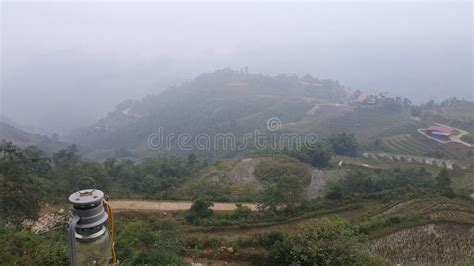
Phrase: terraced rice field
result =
(441, 231)
(431, 244)
(413, 145)
(448, 240)
(432, 206)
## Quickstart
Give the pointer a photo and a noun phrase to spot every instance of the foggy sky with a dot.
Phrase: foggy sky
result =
(67, 64)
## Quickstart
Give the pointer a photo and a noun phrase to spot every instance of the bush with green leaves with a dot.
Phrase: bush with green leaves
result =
(21, 247)
(148, 242)
(443, 183)
(318, 154)
(240, 212)
(21, 182)
(286, 193)
(154, 177)
(331, 242)
(200, 209)
(344, 144)
(391, 183)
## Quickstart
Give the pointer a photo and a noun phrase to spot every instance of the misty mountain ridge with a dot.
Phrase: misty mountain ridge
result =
(239, 102)
(24, 139)
(223, 101)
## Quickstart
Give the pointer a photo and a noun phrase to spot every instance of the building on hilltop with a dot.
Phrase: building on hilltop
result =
(439, 132)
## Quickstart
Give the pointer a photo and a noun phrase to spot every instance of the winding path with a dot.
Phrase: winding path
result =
(159, 205)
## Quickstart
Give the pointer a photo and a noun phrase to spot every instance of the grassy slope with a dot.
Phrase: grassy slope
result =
(446, 213)
(448, 216)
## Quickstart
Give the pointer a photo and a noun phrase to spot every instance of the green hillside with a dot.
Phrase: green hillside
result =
(239, 103)
(228, 101)
(379, 209)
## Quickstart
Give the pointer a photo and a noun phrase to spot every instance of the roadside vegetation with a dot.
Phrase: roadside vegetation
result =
(344, 226)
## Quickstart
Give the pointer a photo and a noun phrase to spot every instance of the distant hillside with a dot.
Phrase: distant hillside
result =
(453, 112)
(223, 101)
(23, 139)
(237, 102)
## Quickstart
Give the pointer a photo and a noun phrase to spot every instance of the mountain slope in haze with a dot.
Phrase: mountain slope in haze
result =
(23, 139)
(223, 101)
(237, 102)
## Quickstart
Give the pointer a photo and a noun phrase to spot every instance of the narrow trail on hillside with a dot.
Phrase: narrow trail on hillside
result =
(159, 205)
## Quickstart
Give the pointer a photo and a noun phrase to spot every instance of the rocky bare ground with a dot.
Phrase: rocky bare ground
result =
(243, 172)
(319, 180)
(47, 222)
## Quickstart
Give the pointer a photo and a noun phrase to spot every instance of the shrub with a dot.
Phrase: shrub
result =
(317, 154)
(287, 194)
(241, 212)
(344, 144)
(148, 242)
(380, 184)
(333, 242)
(26, 248)
(267, 240)
(443, 183)
(199, 210)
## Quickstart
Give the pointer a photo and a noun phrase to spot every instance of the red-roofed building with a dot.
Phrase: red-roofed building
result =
(439, 132)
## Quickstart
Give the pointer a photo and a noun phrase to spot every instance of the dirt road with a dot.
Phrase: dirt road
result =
(158, 205)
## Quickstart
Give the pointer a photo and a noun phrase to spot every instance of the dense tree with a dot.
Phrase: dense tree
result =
(20, 187)
(416, 110)
(317, 154)
(443, 183)
(320, 154)
(381, 183)
(344, 144)
(163, 173)
(69, 168)
(68, 155)
(40, 163)
(127, 173)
